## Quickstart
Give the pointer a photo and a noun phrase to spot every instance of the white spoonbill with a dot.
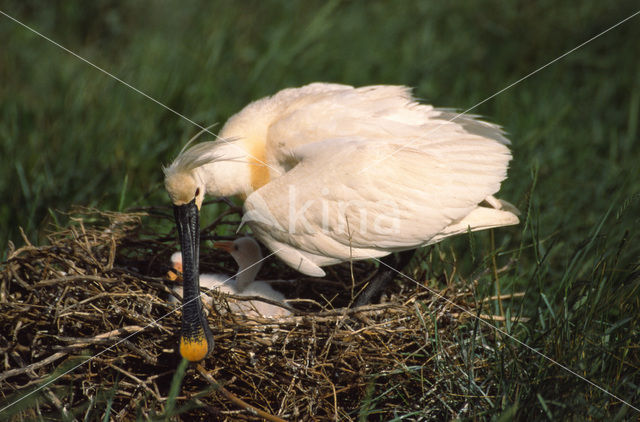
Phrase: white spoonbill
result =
(330, 173)
(247, 254)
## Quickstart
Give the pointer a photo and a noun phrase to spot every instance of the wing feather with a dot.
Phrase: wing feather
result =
(366, 171)
(358, 198)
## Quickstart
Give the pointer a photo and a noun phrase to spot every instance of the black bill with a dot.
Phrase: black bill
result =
(196, 340)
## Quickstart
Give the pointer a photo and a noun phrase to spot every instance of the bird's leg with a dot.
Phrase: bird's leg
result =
(390, 265)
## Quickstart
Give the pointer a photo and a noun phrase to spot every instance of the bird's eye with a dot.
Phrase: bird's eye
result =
(197, 192)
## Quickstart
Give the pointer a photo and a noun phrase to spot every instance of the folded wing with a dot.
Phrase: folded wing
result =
(362, 197)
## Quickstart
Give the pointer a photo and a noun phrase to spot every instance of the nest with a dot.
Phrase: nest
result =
(87, 332)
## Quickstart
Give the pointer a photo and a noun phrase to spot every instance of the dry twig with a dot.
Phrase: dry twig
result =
(102, 279)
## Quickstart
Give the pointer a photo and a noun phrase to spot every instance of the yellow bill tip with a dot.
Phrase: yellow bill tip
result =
(194, 349)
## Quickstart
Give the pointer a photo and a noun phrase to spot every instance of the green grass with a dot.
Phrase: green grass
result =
(72, 135)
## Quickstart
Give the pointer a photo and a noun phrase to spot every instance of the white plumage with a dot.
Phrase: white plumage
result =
(246, 252)
(331, 173)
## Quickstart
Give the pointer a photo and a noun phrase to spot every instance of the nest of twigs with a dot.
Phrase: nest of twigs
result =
(86, 331)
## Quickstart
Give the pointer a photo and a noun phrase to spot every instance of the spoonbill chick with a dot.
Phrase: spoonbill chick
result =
(247, 254)
(331, 173)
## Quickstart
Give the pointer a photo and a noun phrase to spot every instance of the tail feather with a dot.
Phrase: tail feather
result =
(492, 212)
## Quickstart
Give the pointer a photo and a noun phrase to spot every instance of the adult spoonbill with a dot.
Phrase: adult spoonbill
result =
(246, 252)
(330, 173)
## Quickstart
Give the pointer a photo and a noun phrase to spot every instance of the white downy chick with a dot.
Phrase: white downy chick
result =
(246, 252)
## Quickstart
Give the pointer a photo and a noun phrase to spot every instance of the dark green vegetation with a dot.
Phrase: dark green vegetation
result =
(71, 135)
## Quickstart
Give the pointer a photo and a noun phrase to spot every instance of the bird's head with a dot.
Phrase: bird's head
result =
(184, 187)
(187, 192)
(224, 167)
(175, 273)
(246, 252)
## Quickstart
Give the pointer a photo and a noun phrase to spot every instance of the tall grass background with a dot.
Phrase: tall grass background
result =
(70, 134)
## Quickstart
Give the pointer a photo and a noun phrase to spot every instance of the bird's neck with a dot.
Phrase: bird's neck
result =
(229, 173)
(247, 274)
(250, 130)
(240, 168)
